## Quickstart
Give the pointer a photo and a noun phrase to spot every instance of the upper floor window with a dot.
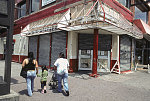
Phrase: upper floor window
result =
(22, 9)
(34, 5)
(126, 3)
(141, 15)
(46, 2)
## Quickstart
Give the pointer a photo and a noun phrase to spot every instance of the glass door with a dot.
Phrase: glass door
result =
(103, 64)
(85, 59)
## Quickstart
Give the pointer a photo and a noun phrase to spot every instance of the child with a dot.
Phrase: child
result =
(43, 80)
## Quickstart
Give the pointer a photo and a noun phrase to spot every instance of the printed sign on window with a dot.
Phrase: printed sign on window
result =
(102, 52)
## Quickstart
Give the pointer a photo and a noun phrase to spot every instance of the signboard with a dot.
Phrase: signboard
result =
(3, 7)
(43, 30)
(45, 2)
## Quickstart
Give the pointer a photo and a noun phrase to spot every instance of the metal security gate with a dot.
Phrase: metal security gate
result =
(58, 45)
(33, 40)
(44, 49)
(125, 53)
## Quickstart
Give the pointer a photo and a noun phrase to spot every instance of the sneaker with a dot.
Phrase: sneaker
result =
(42, 91)
(67, 93)
(59, 91)
(45, 91)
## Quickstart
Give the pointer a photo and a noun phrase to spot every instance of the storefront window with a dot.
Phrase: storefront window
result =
(34, 5)
(2, 52)
(22, 10)
(141, 15)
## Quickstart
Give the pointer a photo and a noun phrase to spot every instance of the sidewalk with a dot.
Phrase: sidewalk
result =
(134, 86)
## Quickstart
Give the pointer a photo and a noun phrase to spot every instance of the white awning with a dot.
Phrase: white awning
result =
(47, 25)
(102, 17)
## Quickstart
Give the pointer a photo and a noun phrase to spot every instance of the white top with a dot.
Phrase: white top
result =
(62, 65)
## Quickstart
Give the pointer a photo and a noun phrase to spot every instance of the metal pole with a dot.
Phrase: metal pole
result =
(95, 53)
(7, 75)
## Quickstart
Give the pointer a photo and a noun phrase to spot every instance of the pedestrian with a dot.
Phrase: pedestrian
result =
(43, 80)
(32, 69)
(62, 66)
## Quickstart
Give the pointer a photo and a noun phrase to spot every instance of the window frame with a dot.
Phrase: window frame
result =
(20, 9)
(31, 6)
(141, 12)
(127, 5)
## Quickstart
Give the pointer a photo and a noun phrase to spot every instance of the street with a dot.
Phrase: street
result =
(134, 86)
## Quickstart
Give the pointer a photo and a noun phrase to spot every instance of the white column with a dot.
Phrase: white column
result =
(72, 51)
(115, 47)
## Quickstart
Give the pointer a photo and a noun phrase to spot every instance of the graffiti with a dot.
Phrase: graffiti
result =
(124, 55)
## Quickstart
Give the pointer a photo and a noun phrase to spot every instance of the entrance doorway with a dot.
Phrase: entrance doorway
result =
(86, 60)
(103, 64)
(86, 52)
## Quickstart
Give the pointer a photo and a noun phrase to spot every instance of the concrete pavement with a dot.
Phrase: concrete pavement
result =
(134, 86)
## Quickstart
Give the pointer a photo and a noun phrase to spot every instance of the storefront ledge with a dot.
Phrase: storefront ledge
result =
(70, 71)
(94, 75)
(128, 71)
(13, 96)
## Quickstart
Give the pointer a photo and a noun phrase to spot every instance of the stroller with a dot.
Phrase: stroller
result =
(53, 83)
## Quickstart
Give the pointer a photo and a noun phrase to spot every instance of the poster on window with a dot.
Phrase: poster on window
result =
(45, 2)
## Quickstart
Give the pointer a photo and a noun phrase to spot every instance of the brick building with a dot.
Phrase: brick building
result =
(95, 35)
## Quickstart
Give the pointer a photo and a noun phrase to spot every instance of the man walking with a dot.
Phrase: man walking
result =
(62, 66)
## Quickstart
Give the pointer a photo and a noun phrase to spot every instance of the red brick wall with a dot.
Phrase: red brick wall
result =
(22, 58)
(1, 56)
(149, 18)
(73, 65)
(15, 58)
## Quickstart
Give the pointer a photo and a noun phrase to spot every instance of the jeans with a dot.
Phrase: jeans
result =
(30, 81)
(65, 82)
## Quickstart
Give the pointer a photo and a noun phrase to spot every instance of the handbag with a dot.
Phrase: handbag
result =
(23, 73)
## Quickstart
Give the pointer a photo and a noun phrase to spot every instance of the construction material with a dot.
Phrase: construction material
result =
(116, 68)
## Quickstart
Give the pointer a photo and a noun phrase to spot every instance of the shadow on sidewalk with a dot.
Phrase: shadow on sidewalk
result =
(85, 74)
(23, 92)
(14, 81)
(55, 91)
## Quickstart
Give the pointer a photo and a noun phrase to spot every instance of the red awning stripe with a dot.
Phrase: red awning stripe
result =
(145, 28)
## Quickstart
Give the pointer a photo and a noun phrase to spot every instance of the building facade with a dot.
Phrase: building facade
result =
(96, 35)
